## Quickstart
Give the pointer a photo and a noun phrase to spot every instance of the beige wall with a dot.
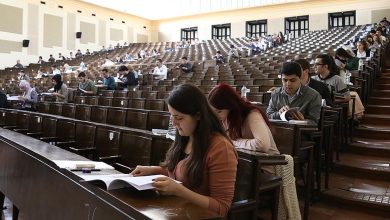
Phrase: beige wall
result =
(367, 11)
(52, 30)
(11, 19)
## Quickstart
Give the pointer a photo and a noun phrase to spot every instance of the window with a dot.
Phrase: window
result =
(189, 34)
(220, 31)
(297, 25)
(342, 19)
(256, 28)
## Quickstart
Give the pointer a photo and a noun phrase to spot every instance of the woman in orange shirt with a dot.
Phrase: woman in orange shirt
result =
(202, 156)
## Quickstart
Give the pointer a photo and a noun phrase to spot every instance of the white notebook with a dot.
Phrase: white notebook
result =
(118, 181)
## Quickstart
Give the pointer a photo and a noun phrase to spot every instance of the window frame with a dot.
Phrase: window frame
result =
(223, 31)
(344, 15)
(296, 21)
(258, 25)
(190, 33)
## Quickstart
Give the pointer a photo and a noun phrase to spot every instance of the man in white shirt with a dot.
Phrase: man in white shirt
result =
(55, 70)
(160, 70)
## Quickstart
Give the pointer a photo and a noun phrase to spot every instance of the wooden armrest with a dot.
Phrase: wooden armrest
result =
(122, 168)
(23, 130)
(262, 158)
(10, 127)
(34, 134)
(239, 205)
(48, 139)
(65, 143)
(82, 150)
(111, 159)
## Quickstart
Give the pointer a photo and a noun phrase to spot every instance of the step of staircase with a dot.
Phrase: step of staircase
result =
(380, 86)
(366, 202)
(378, 109)
(378, 100)
(372, 131)
(384, 79)
(363, 166)
(375, 119)
(381, 93)
(370, 147)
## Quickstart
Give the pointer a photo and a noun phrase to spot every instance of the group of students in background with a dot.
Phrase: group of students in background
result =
(209, 129)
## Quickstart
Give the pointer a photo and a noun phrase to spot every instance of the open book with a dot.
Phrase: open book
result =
(74, 164)
(13, 98)
(118, 181)
(287, 115)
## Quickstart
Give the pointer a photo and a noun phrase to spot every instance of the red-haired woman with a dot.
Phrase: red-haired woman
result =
(245, 123)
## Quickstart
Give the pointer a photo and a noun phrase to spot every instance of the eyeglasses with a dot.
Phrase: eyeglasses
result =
(319, 64)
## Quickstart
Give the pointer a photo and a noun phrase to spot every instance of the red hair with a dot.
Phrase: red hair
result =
(224, 96)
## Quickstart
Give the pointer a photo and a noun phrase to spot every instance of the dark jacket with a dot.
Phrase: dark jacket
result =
(321, 88)
(3, 100)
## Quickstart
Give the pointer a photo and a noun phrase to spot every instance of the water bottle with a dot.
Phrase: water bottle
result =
(361, 64)
(244, 91)
(347, 77)
(372, 54)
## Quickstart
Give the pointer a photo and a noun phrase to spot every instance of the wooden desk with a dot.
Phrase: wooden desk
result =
(43, 191)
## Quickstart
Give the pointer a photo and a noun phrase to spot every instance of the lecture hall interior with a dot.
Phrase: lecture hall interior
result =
(195, 109)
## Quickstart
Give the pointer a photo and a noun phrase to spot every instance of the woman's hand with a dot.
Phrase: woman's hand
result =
(22, 98)
(167, 186)
(143, 171)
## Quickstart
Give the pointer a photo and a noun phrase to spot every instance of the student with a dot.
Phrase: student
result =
(127, 76)
(108, 80)
(18, 64)
(86, 86)
(219, 57)
(320, 87)
(23, 76)
(202, 156)
(60, 89)
(245, 123)
(55, 70)
(326, 71)
(160, 70)
(185, 66)
(29, 98)
(294, 94)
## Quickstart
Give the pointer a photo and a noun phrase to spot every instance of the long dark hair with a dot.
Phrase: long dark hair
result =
(59, 82)
(188, 99)
(224, 96)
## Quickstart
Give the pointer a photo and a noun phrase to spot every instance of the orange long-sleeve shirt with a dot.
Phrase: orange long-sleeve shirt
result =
(219, 176)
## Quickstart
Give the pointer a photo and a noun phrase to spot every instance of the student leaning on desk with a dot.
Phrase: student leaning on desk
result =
(202, 156)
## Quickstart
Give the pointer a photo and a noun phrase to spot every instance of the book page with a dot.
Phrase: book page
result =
(106, 179)
(74, 164)
(285, 116)
(13, 98)
(138, 182)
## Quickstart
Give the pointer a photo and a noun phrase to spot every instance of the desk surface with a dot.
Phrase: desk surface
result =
(33, 182)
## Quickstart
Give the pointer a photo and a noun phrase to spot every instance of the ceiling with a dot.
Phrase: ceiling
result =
(166, 9)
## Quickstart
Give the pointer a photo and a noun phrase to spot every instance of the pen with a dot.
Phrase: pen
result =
(85, 170)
